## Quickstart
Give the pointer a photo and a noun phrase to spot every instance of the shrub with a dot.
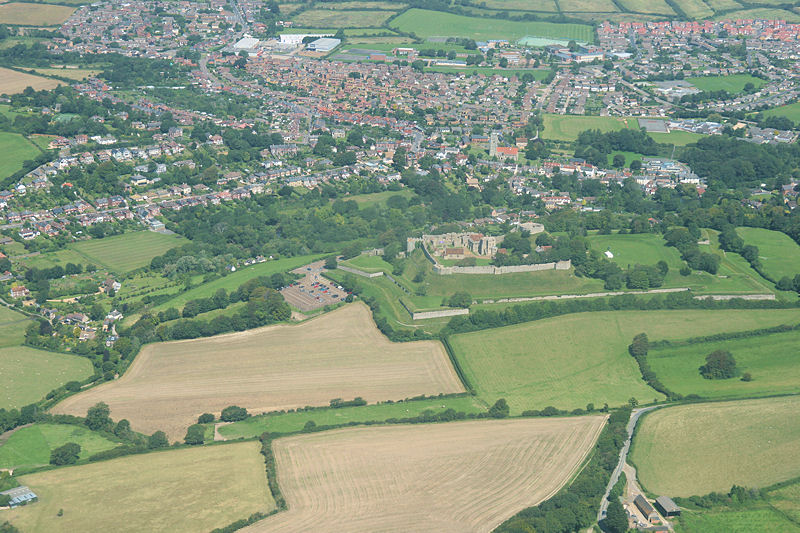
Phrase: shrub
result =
(195, 435)
(500, 409)
(157, 440)
(66, 454)
(205, 418)
(233, 413)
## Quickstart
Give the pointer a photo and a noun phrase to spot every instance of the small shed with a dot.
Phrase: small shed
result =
(667, 507)
(19, 496)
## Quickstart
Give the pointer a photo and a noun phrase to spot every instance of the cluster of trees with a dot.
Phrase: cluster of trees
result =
(638, 349)
(720, 364)
(595, 147)
(685, 240)
(575, 507)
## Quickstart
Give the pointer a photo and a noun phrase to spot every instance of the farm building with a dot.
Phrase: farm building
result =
(667, 507)
(19, 496)
(647, 510)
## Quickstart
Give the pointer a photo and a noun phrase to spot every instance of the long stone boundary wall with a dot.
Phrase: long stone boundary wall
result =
(491, 269)
(361, 273)
(424, 315)
(733, 296)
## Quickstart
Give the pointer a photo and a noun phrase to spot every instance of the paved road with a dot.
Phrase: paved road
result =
(623, 457)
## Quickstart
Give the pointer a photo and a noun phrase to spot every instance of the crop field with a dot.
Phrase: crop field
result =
(31, 446)
(699, 448)
(25, 14)
(292, 422)
(773, 360)
(779, 254)
(29, 374)
(12, 81)
(573, 360)
(195, 489)
(328, 18)
(733, 83)
(425, 23)
(567, 127)
(658, 7)
(15, 149)
(122, 253)
(338, 355)
(583, 6)
(383, 478)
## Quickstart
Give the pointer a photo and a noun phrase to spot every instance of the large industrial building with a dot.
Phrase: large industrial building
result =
(324, 45)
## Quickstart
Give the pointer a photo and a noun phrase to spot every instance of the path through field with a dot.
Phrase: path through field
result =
(338, 355)
(455, 477)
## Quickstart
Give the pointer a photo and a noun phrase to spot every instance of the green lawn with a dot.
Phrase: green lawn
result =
(292, 422)
(572, 360)
(699, 448)
(369, 263)
(425, 23)
(633, 249)
(567, 127)
(122, 253)
(733, 83)
(29, 374)
(15, 149)
(779, 254)
(31, 446)
(772, 360)
(677, 137)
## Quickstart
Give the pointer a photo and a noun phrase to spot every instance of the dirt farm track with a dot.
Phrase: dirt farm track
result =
(455, 477)
(338, 355)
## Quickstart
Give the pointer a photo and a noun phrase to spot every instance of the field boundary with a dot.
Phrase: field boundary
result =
(457, 366)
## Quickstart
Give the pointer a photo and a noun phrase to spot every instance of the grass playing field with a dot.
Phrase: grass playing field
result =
(293, 422)
(33, 14)
(779, 254)
(31, 446)
(699, 448)
(196, 489)
(122, 253)
(567, 127)
(771, 359)
(338, 355)
(733, 83)
(573, 360)
(425, 23)
(29, 374)
(14, 147)
(461, 476)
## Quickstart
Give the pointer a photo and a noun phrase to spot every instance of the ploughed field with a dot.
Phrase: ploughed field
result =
(339, 355)
(455, 477)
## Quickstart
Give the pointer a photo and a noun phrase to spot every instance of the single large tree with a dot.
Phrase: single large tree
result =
(97, 417)
(720, 364)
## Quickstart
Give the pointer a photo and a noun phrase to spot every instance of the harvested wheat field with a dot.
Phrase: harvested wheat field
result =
(338, 355)
(459, 477)
(12, 81)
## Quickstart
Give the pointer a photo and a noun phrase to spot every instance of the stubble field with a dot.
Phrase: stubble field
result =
(459, 477)
(339, 355)
(33, 14)
(695, 449)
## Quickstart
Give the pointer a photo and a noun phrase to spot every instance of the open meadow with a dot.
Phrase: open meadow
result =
(328, 18)
(25, 14)
(188, 490)
(772, 360)
(778, 253)
(29, 374)
(15, 149)
(455, 477)
(338, 355)
(790, 111)
(129, 251)
(637, 249)
(567, 127)
(695, 449)
(31, 446)
(425, 23)
(573, 360)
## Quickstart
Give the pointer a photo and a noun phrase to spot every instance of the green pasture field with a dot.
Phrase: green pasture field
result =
(733, 83)
(572, 360)
(787, 500)
(328, 18)
(761, 13)
(31, 446)
(699, 448)
(123, 253)
(293, 422)
(790, 111)
(758, 518)
(193, 489)
(521, 5)
(425, 23)
(232, 281)
(658, 7)
(723, 5)
(779, 254)
(15, 149)
(771, 359)
(357, 5)
(42, 141)
(369, 263)
(12, 327)
(696, 9)
(640, 248)
(734, 267)
(29, 374)
(590, 6)
(567, 127)
(50, 259)
(678, 138)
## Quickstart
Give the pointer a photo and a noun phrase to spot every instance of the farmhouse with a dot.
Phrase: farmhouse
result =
(19, 292)
(647, 510)
(667, 507)
(19, 496)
